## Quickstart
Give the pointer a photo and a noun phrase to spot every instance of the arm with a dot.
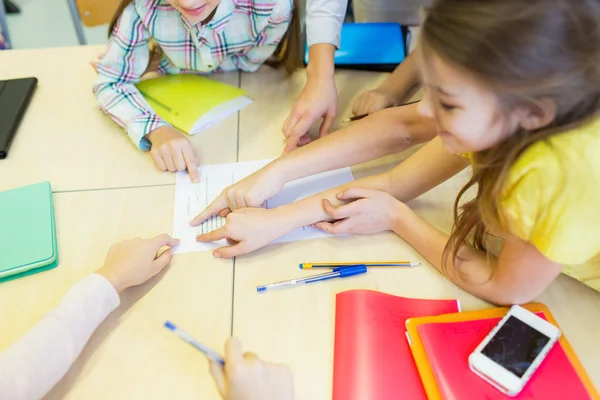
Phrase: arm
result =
(424, 170)
(324, 19)
(404, 78)
(319, 97)
(427, 168)
(518, 276)
(278, 24)
(393, 91)
(389, 131)
(31, 366)
(125, 61)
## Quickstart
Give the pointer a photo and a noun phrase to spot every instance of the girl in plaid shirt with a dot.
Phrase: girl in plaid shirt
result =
(199, 36)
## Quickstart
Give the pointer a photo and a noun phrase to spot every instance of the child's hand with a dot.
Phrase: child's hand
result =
(172, 151)
(246, 377)
(252, 191)
(371, 211)
(318, 99)
(249, 229)
(372, 101)
(133, 262)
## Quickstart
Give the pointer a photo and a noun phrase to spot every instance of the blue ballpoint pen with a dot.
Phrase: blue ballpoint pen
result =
(340, 273)
(188, 338)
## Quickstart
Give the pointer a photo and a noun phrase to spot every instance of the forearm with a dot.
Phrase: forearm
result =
(386, 132)
(424, 170)
(310, 210)
(472, 270)
(404, 78)
(30, 367)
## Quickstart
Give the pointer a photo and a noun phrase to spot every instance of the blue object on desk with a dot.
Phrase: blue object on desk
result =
(340, 273)
(188, 338)
(378, 46)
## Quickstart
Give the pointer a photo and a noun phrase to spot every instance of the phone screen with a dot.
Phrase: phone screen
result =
(515, 346)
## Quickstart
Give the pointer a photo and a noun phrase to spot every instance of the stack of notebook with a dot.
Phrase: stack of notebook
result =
(27, 231)
(389, 347)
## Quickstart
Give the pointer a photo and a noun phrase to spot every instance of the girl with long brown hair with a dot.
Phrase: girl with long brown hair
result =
(512, 89)
(187, 36)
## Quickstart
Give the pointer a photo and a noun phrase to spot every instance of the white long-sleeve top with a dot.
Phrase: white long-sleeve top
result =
(324, 20)
(32, 365)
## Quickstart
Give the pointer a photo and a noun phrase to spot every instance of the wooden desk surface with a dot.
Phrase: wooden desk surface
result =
(296, 326)
(65, 139)
(131, 355)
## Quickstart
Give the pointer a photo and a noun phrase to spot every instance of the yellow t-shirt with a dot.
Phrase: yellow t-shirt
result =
(551, 199)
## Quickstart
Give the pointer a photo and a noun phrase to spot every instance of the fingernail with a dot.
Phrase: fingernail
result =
(340, 195)
(198, 237)
(217, 255)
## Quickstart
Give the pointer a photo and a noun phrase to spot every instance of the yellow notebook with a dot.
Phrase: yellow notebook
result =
(192, 103)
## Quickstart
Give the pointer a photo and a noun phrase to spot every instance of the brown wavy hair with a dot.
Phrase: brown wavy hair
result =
(524, 51)
(286, 55)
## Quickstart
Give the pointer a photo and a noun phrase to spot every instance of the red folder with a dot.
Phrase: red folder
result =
(372, 359)
(559, 377)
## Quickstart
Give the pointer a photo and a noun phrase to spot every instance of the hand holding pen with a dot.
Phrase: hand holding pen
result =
(242, 376)
(246, 377)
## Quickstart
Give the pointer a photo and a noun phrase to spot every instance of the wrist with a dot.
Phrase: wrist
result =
(404, 219)
(321, 65)
(112, 279)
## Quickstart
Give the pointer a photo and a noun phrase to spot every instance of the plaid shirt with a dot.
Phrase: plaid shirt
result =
(241, 36)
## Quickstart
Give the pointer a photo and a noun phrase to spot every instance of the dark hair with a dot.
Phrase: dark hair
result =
(287, 54)
(525, 51)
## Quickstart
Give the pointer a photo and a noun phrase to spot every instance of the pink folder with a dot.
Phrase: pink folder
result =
(372, 358)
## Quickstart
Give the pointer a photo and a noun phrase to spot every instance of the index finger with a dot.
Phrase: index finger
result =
(191, 164)
(213, 208)
(213, 236)
(233, 351)
(290, 121)
(296, 133)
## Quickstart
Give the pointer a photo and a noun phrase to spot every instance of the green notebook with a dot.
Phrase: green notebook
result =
(27, 231)
(192, 103)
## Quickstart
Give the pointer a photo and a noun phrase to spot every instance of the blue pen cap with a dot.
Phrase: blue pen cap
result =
(260, 289)
(169, 325)
(350, 271)
(341, 267)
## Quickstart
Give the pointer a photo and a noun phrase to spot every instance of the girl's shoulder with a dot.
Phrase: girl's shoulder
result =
(552, 192)
(571, 153)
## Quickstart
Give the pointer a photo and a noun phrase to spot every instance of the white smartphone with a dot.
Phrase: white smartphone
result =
(513, 350)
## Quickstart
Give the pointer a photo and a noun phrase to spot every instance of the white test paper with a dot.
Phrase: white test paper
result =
(192, 198)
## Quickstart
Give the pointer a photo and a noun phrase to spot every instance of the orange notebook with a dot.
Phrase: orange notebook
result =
(372, 360)
(445, 371)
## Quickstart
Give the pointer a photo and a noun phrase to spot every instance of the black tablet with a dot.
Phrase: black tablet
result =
(15, 95)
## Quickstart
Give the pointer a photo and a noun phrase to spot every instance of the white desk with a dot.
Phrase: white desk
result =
(64, 138)
(131, 356)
